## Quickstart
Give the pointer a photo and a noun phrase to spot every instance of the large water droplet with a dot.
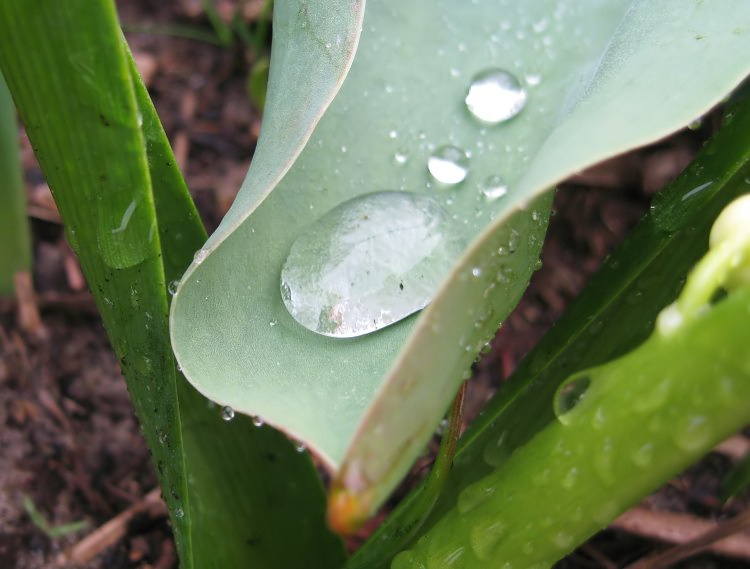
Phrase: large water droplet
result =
(448, 165)
(172, 287)
(495, 96)
(570, 394)
(368, 263)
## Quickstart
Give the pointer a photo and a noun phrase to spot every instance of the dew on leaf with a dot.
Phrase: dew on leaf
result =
(227, 413)
(495, 96)
(494, 188)
(172, 287)
(200, 256)
(368, 263)
(448, 165)
(484, 536)
(570, 394)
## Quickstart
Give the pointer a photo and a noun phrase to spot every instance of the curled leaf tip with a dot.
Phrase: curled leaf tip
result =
(347, 511)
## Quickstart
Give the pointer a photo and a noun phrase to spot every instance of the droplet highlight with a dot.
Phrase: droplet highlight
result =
(227, 413)
(369, 263)
(494, 188)
(448, 165)
(569, 395)
(495, 96)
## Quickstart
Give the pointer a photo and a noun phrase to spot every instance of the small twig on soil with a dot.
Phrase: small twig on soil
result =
(113, 531)
(693, 535)
(28, 313)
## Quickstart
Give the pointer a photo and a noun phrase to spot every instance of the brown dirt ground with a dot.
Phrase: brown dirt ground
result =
(69, 439)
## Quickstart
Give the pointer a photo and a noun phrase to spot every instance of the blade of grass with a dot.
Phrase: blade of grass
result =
(15, 243)
(130, 220)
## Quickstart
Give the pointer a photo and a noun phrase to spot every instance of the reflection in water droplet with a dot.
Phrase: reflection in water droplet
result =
(368, 263)
(495, 96)
(258, 420)
(448, 165)
(494, 188)
(570, 394)
(172, 286)
(401, 157)
(227, 413)
(199, 256)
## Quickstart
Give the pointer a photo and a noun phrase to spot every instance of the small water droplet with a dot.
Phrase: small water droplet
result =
(407, 560)
(369, 263)
(227, 413)
(497, 451)
(473, 495)
(172, 287)
(393, 134)
(179, 513)
(485, 534)
(495, 96)
(570, 479)
(258, 420)
(300, 447)
(643, 455)
(695, 433)
(200, 256)
(695, 124)
(448, 165)
(163, 438)
(570, 394)
(563, 540)
(476, 272)
(273, 322)
(494, 188)
(401, 157)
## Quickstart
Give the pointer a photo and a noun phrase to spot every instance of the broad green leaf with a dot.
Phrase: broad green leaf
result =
(601, 78)
(130, 219)
(614, 314)
(15, 241)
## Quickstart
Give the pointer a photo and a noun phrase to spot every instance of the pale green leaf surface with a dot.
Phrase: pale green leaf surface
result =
(602, 77)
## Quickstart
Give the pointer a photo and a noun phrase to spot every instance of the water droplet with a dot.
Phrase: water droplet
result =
(485, 534)
(448, 165)
(172, 286)
(533, 79)
(401, 157)
(473, 495)
(497, 451)
(452, 556)
(495, 96)
(494, 188)
(393, 134)
(300, 447)
(407, 560)
(570, 394)
(695, 433)
(179, 513)
(643, 455)
(258, 420)
(200, 256)
(273, 322)
(227, 413)
(476, 272)
(695, 124)
(570, 479)
(563, 540)
(368, 263)
(162, 438)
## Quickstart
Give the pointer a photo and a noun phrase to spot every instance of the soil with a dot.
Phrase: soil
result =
(70, 444)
